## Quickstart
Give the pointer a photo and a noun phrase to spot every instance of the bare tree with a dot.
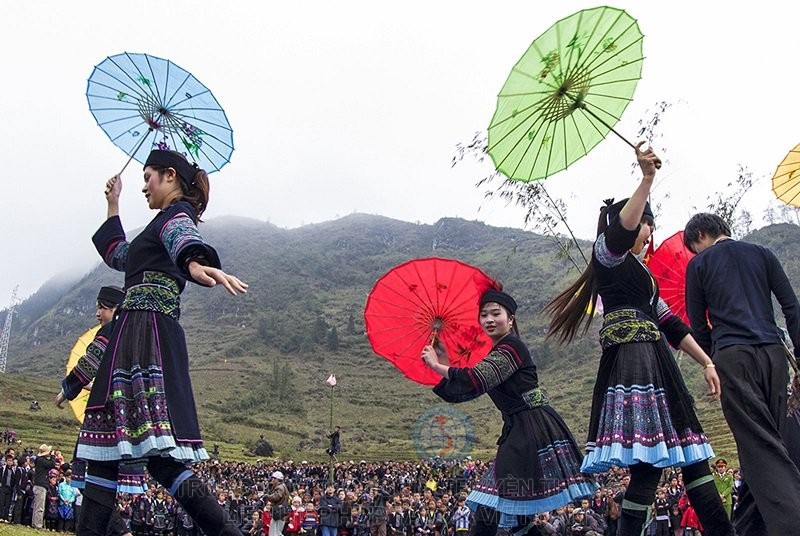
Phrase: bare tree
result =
(543, 213)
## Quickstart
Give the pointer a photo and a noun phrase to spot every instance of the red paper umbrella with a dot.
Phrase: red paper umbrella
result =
(668, 266)
(423, 298)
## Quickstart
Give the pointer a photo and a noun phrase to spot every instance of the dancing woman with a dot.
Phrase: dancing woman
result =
(141, 407)
(537, 467)
(642, 414)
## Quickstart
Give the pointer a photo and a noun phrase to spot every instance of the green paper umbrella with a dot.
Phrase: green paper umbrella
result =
(566, 93)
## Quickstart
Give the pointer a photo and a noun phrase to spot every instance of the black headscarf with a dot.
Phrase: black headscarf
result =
(110, 296)
(176, 161)
(498, 296)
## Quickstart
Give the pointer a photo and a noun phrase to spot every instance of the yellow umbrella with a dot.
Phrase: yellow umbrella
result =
(786, 181)
(79, 404)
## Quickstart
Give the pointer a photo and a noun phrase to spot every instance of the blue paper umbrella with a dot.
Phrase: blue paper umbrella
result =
(143, 103)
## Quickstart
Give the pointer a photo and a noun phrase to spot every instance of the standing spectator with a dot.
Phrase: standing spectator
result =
(724, 483)
(378, 516)
(674, 490)
(9, 477)
(171, 505)
(689, 521)
(159, 514)
(146, 504)
(583, 525)
(125, 513)
(266, 517)
(294, 520)
(78, 503)
(253, 527)
(51, 515)
(395, 525)
(238, 508)
(311, 520)
(730, 285)
(23, 490)
(461, 516)
(66, 508)
(661, 513)
(279, 499)
(675, 520)
(424, 525)
(185, 524)
(42, 465)
(330, 510)
(137, 516)
(441, 521)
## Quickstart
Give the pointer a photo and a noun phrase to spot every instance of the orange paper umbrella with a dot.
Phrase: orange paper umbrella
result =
(78, 405)
(786, 180)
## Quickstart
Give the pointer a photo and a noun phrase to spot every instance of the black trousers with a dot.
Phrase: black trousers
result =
(754, 380)
(6, 492)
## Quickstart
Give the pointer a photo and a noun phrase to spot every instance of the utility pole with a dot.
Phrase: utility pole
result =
(7, 331)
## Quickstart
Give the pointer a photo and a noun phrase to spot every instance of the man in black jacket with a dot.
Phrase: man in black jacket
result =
(43, 463)
(330, 511)
(23, 490)
(8, 481)
(730, 284)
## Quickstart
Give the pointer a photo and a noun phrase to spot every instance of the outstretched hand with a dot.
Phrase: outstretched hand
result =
(210, 277)
(648, 160)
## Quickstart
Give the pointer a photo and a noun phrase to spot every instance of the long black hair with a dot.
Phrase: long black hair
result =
(575, 305)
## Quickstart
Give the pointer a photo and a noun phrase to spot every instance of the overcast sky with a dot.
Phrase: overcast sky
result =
(341, 107)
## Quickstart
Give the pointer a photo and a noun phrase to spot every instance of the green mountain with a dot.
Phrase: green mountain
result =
(260, 361)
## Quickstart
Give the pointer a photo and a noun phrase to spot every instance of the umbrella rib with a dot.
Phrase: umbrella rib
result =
(191, 120)
(639, 38)
(547, 134)
(134, 88)
(611, 70)
(206, 90)
(201, 150)
(407, 310)
(155, 81)
(121, 134)
(429, 305)
(149, 93)
(580, 135)
(587, 65)
(449, 306)
(546, 125)
(588, 58)
(138, 93)
(417, 303)
(572, 49)
(118, 119)
(610, 82)
(414, 303)
(539, 122)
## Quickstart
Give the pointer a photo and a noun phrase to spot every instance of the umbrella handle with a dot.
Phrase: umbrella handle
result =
(609, 127)
(135, 150)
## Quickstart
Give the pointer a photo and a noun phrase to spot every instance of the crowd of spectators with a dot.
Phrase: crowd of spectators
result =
(400, 498)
